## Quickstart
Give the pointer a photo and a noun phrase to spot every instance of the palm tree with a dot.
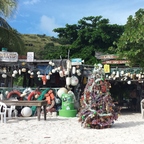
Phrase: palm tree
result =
(9, 38)
(8, 7)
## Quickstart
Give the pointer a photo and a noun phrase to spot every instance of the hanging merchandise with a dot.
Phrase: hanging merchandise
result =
(68, 81)
(44, 80)
(61, 73)
(4, 70)
(78, 72)
(66, 72)
(48, 77)
(61, 91)
(53, 70)
(117, 74)
(4, 76)
(23, 70)
(73, 70)
(74, 80)
(19, 71)
(68, 64)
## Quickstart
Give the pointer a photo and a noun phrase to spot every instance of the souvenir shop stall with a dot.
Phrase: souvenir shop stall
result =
(123, 79)
(39, 76)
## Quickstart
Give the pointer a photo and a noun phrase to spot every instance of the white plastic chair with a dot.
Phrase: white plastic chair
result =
(142, 108)
(3, 110)
(12, 110)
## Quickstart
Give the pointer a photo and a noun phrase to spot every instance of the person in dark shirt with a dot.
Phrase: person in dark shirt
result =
(133, 96)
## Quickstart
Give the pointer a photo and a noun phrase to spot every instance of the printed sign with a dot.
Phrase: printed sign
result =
(106, 57)
(30, 56)
(76, 61)
(107, 68)
(115, 62)
(9, 56)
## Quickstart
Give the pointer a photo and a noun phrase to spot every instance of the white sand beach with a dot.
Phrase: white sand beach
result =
(128, 129)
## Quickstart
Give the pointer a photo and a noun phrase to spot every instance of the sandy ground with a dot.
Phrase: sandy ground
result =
(128, 129)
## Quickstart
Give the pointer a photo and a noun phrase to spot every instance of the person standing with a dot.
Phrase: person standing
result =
(133, 96)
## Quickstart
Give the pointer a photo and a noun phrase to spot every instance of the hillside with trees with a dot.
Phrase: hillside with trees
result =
(37, 43)
(82, 40)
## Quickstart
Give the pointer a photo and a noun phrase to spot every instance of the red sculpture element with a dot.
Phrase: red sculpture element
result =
(32, 94)
(14, 92)
(44, 80)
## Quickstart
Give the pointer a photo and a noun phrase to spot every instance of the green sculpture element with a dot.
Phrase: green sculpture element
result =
(41, 97)
(67, 105)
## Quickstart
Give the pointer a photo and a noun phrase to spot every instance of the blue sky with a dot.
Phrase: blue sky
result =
(42, 16)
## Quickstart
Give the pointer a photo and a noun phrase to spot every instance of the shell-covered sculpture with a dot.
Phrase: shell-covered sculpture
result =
(97, 107)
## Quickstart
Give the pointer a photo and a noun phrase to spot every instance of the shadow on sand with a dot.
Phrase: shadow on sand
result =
(131, 122)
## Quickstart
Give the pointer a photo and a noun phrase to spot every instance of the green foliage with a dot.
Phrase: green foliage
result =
(18, 81)
(131, 42)
(38, 44)
(82, 40)
(90, 35)
(8, 7)
(11, 40)
(51, 51)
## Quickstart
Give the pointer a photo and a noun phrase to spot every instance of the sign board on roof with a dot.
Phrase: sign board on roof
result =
(76, 61)
(115, 62)
(108, 56)
(8, 56)
(30, 56)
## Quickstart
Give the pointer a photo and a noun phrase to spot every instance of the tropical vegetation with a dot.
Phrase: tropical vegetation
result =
(90, 35)
(8, 7)
(82, 40)
(9, 38)
(131, 43)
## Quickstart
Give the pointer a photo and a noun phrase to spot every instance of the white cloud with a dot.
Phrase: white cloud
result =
(47, 25)
(31, 2)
